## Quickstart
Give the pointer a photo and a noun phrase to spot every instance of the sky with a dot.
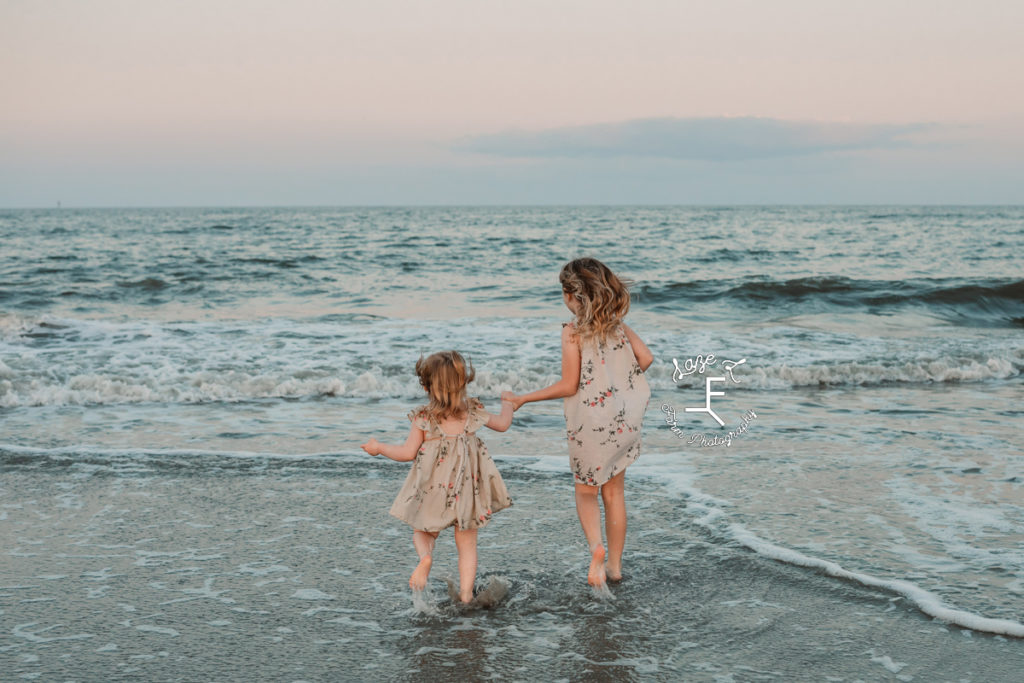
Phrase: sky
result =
(382, 102)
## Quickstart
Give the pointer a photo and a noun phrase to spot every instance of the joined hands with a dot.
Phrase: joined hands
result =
(511, 398)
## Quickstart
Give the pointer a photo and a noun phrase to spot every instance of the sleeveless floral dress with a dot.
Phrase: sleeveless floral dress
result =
(603, 419)
(453, 480)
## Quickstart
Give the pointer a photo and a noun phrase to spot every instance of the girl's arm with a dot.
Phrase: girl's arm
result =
(570, 381)
(500, 423)
(403, 453)
(644, 357)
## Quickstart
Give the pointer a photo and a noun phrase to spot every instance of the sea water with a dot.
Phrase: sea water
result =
(183, 392)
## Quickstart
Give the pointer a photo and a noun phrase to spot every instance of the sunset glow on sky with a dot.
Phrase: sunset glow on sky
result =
(249, 102)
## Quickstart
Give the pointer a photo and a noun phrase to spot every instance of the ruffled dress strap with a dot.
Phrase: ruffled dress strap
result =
(419, 420)
(477, 417)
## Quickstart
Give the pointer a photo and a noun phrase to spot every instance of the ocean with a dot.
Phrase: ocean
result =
(183, 393)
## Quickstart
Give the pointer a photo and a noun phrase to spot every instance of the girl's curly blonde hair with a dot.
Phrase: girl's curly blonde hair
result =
(603, 297)
(444, 375)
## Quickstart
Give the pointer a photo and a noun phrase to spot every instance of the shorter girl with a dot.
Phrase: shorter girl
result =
(453, 481)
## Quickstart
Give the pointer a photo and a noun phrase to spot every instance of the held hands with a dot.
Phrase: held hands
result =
(372, 447)
(511, 398)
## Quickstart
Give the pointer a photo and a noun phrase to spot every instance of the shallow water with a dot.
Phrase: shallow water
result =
(292, 569)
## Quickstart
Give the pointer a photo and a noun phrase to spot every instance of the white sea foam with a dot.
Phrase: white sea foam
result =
(83, 362)
(886, 661)
(140, 386)
(940, 370)
(421, 603)
(311, 594)
(148, 385)
(22, 631)
(927, 602)
(602, 593)
(249, 568)
(961, 524)
(317, 610)
(708, 514)
(443, 651)
(161, 630)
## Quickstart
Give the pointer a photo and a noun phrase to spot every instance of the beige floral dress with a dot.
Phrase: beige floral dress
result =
(604, 417)
(453, 480)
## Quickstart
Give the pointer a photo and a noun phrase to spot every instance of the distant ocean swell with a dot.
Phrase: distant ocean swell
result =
(967, 302)
(985, 302)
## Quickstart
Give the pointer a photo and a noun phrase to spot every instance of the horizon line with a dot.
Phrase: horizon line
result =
(80, 207)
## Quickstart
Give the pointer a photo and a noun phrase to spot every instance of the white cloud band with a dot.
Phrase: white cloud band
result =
(705, 139)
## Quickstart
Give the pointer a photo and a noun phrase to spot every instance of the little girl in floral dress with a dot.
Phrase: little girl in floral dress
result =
(453, 481)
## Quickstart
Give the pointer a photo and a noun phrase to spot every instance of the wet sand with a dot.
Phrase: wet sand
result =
(187, 569)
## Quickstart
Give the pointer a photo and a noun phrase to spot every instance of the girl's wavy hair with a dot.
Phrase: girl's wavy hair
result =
(603, 297)
(444, 375)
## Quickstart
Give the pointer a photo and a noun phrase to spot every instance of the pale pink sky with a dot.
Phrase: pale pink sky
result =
(395, 84)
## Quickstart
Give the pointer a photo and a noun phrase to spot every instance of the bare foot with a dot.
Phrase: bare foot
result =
(614, 575)
(596, 575)
(418, 580)
(459, 596)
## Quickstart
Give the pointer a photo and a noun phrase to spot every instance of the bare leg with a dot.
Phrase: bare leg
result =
(613, 495)
(465, 543)
(590, 519)
(424, 542)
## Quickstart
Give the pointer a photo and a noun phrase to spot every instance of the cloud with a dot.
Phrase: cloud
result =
(703, 139)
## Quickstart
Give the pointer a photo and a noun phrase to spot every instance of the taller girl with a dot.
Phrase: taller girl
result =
(606, 395)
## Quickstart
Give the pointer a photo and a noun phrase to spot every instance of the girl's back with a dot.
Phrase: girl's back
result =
(605, 394)
(453, 480)
(604, 417)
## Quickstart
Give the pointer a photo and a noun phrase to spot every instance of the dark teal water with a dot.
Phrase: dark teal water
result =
(957, 264)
